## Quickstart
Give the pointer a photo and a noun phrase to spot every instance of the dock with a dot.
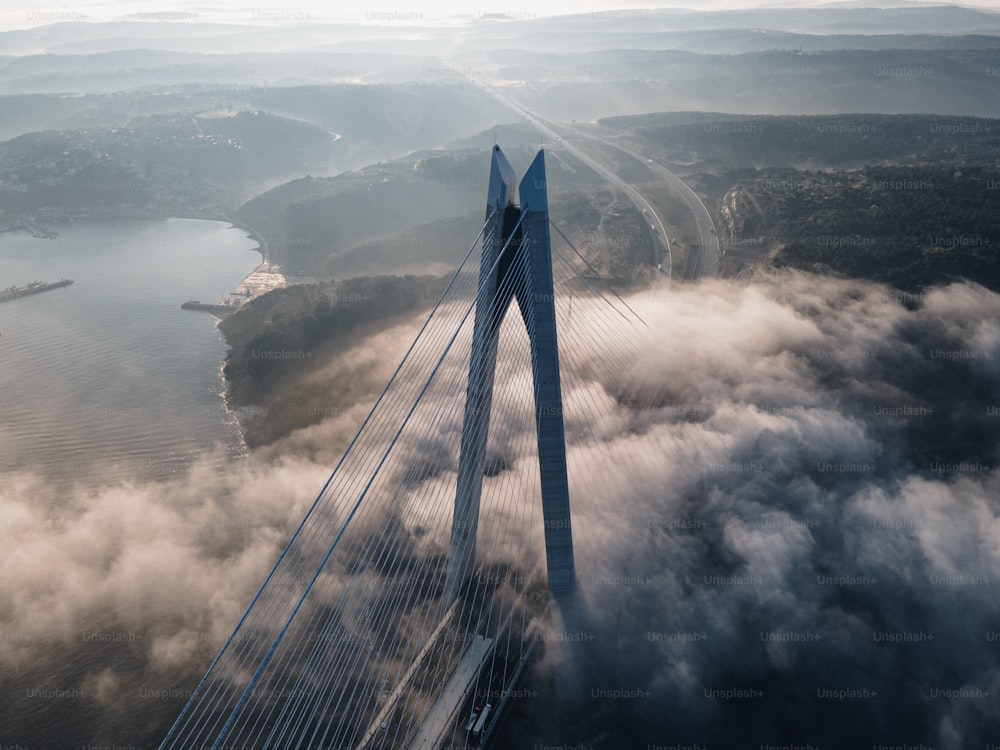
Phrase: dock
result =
(35, 287)
(219, 310)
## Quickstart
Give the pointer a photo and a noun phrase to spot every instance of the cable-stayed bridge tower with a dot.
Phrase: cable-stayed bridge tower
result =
(518, 251)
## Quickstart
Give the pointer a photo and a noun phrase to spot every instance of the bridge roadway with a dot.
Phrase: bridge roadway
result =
(446, 716)
(479, 674)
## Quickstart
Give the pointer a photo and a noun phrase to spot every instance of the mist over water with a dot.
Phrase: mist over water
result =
(802, 498)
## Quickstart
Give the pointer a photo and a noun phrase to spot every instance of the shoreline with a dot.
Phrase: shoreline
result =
(71, 217)
(253, 234)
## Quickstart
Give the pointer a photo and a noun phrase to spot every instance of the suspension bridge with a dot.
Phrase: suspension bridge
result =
(408, 604)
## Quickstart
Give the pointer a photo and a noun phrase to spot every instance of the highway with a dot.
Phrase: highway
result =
(708, 259)
(661, 242)
(710, 254)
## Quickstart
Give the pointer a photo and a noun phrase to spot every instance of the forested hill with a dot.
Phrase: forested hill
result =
(911, 200)
(281, 339)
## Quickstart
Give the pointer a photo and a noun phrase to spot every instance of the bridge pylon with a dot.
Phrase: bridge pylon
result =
(516, 264)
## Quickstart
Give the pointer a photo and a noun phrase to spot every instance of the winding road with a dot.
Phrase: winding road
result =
(708, 258)
(661, 242)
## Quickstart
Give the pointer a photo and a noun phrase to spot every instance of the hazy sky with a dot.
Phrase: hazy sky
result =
(26, 13)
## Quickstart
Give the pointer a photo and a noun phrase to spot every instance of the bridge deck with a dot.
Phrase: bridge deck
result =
(404, 688)
(441, 719)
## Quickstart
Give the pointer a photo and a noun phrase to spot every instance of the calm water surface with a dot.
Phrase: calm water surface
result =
(109, 379)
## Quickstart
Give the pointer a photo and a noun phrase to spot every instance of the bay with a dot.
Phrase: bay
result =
(109, 379)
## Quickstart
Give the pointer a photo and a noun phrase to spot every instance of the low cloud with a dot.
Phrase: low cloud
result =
(785, 521)
(802, 545)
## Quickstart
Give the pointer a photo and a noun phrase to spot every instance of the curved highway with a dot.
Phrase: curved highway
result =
(708, 258)
(710, 255)
(661, 242)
